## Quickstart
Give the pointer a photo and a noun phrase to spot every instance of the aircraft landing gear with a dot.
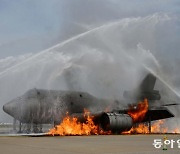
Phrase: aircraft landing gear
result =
(37, 128)
(20, 127)
(149, 125)
(14, 125)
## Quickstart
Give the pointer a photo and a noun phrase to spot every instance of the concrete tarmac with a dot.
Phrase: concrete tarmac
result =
(110, 144)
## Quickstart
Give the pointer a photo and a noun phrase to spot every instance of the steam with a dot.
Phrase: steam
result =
(103, 61)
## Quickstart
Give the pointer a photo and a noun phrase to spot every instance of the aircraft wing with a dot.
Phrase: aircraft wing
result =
(152, 114)
(157, 114)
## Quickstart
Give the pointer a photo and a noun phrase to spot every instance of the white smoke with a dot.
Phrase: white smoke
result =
(104, 61)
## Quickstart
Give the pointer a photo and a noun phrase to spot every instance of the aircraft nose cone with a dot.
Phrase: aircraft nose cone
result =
(6, 108)
(10, 108)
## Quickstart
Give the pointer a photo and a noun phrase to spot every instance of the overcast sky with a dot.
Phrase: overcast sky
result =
(33, 25)
(103, 62)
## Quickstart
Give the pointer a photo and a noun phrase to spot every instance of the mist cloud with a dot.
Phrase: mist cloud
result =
(105, 62)
(100, 62)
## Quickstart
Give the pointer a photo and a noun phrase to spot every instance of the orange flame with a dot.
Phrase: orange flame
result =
(71, 126)
(176, 130)
(138, 112)
(156, 127)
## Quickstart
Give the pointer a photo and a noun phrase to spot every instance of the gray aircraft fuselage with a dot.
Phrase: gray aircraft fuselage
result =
(38, 106)
(47, 106)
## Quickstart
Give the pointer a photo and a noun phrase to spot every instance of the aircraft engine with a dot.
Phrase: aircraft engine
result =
(116, 122)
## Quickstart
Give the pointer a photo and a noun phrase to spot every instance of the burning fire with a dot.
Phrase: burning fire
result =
(71, 126)
(156, 127)
(176, 130)
(138, 112)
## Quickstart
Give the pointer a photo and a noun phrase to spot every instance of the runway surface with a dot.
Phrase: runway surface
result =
(111, 144)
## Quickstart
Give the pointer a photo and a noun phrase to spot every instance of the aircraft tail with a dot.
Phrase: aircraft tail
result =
(145, 90)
